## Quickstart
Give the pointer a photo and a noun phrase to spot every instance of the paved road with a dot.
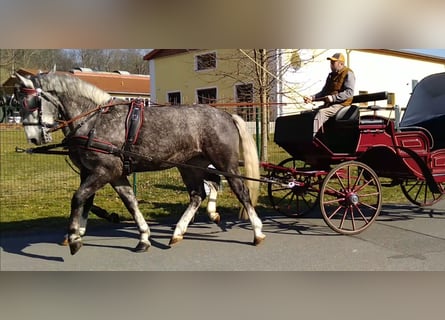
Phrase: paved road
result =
(401, 239)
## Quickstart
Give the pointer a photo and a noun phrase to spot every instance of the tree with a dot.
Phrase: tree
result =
(130, 60)
(265, 69)
(256, 66)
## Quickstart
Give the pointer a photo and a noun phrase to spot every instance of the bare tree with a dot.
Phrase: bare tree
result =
(265, 69)
(257, 66)
(130, 60)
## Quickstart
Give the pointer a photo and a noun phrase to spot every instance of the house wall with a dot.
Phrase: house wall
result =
(374, 72)
(177, 73)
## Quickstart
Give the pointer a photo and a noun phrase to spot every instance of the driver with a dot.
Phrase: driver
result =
(337, 92)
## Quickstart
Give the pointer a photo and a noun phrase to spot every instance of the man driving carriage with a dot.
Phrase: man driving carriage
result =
(337, 92)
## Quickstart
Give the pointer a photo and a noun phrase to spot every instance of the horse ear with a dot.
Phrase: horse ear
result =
(26, 82)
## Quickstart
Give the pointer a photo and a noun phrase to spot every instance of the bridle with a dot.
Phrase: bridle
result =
(31, 101)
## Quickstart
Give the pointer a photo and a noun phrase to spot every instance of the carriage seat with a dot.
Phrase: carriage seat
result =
(348, 115)
(421, 129)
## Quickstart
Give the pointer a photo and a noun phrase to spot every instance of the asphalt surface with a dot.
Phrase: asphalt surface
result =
(401, 239)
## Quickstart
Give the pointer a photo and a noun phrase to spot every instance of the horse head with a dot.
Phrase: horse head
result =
(38, 108)
(50, 99)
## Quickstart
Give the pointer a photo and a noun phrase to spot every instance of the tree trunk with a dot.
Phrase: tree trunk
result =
(264, 107)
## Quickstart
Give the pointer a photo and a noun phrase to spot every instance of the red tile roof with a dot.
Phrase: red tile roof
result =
(117, 84)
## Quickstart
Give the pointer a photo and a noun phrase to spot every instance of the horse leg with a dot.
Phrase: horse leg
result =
(189, 213)
(83, 219)
(125, 192)
(195, 187)
(79, 203)
(242, 193)
(211, 205)
(85, 209)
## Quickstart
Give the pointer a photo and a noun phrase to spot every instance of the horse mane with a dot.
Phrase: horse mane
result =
(73, 87)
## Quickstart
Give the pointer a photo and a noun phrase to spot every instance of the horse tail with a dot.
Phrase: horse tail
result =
(251, 162)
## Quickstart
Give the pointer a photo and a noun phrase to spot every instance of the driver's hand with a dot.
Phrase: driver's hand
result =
(307, 99)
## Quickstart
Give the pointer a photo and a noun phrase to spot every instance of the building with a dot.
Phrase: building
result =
(394, 71)
(119, 84)
(223, 77)
(186, 76)
(226, 76)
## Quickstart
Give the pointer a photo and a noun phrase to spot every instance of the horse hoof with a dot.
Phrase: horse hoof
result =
(142, 247)
(258, 240)
(64, 242)
(217, 219)
(75, 246)
(114, 218)
(175, 240)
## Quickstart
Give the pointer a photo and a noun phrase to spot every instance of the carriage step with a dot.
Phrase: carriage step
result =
(393, 183)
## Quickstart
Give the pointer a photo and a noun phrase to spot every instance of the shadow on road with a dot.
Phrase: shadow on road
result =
(201, 229)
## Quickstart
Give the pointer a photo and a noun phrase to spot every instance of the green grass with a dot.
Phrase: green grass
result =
(36, 189)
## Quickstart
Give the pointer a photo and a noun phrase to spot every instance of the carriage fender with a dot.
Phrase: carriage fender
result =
(373, 157)
(423, 166)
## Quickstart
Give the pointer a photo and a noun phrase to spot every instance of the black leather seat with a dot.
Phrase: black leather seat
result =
(348, 115)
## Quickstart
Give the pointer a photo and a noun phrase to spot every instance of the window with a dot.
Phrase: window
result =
(244, 93)
(391, 100)
(174, 97)
(206, 61)
(206, 95)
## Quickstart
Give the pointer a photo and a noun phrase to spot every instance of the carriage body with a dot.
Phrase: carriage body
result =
(409, 152)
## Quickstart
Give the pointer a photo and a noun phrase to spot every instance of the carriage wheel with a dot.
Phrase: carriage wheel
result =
(419, 194)
(350, 197)
(2, 112)
(297, 200)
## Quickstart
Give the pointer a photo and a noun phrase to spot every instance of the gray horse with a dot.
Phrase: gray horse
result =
(108, 138)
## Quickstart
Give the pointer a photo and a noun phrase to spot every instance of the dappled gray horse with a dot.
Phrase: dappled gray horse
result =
(108, 138)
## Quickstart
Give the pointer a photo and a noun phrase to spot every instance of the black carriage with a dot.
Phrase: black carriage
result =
(345, 165)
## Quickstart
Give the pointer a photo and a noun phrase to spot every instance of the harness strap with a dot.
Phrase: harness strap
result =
(133, 124)
(93, 144)
(102, 108)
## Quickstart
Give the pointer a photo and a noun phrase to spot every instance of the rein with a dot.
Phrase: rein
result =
(101, 108)
(90, 143)
(110, 149)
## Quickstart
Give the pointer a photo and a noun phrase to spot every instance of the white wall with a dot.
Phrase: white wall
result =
(374, 73)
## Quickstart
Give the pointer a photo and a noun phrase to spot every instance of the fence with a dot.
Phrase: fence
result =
(40, 185)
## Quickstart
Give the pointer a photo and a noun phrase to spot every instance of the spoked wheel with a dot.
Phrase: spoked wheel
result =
(350, 197)
(418, 192)
(297, 197)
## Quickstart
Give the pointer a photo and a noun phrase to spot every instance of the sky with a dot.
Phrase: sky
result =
(432, 52)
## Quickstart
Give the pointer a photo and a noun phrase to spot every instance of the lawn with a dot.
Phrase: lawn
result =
(36, 189)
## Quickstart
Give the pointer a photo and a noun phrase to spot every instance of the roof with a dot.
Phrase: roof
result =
(158, 53)
(8, 85)
(410, 54)
(115, 83)
(405, 54)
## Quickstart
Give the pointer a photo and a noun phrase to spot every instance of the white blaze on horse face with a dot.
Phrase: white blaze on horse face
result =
(33, 130)
(49, 113)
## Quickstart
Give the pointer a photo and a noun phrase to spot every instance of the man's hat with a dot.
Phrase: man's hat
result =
(337, 57)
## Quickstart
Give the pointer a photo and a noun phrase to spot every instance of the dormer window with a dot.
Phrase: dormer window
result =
(205, 61)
